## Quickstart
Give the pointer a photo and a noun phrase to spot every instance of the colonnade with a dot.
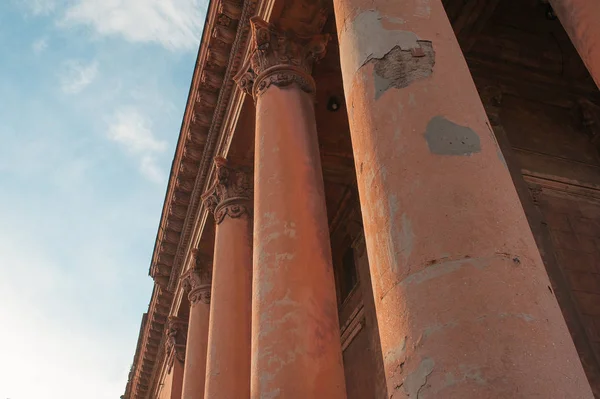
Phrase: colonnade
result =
(463, 302)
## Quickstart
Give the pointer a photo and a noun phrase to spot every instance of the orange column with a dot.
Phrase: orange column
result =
(197, 281)
(296, 349)
(176, 344)
(581, 20)
(228, 364)
(464, 305)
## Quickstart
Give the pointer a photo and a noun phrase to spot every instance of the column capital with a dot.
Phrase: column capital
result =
(176, 337)
(279, 58)
(197, 280)
(231, 194)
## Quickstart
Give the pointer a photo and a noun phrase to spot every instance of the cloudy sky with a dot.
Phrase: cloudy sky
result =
(92, 94)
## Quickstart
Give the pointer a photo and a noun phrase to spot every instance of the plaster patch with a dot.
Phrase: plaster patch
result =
(365, 38)
(406, 237)
(397, 354)
(437, 327)
(445, 137)
(422, 9)
(468, 373)
(416, 381)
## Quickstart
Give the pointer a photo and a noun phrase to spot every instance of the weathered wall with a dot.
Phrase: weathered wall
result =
(167, 385)
(171, 385)
(556, 169)
(363, 365)
(574, 224)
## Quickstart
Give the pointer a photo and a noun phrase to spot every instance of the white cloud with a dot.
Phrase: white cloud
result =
(40, 45)
(77, 76)
(150, 169)
(133, 132)
(175, 24)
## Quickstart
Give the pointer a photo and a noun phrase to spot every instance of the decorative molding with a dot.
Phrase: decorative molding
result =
(176, 338)
(232, 61)
(543, 184)
(280, 58)
(231, 193)
(352, 326)
(197, 280)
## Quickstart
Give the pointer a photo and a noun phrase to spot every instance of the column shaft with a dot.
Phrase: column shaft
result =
(197, 338)
(296, 350)
(177, 383)
(581, 20)
(464, 305)
(228, 369)
(175, 347)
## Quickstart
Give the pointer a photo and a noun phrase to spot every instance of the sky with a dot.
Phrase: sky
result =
(92, 94)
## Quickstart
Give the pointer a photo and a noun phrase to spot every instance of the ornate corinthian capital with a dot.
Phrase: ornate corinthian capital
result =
(280, 58)
(197, 280)
(176, 337)
(231, 193)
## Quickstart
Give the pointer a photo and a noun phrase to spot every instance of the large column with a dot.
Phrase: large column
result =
(296, 349)
(464, 305)
(197, 281)
(228, 364)
(581, 20)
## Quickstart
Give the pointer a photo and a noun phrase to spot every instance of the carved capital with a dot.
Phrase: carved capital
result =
(176, 337)
(280, 58)
(197, 281)
(231, 194)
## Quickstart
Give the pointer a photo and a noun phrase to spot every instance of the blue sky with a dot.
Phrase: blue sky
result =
(92, 94)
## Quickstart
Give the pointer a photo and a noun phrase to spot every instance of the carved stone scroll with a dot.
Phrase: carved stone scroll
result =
(197, 280)
(176, 337)
(231, 194)
(280, 58)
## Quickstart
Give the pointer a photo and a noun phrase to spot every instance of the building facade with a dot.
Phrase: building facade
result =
(382, 199)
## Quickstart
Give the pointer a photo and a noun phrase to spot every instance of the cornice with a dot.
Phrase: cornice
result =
(221, 39)
(215, 132)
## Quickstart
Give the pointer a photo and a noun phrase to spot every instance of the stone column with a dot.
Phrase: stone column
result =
(176, 342)
(296, 349)
(581, 20)
(198, 282)
(464, 305)
(228, 364)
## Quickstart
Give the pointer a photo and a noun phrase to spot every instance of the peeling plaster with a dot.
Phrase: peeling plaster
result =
(416, 381)
(438, 327)
(399, 238)
(366, 38)
(399, 68)
(397, 354)
(472, 373)
(422, 9)
(445, 137)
